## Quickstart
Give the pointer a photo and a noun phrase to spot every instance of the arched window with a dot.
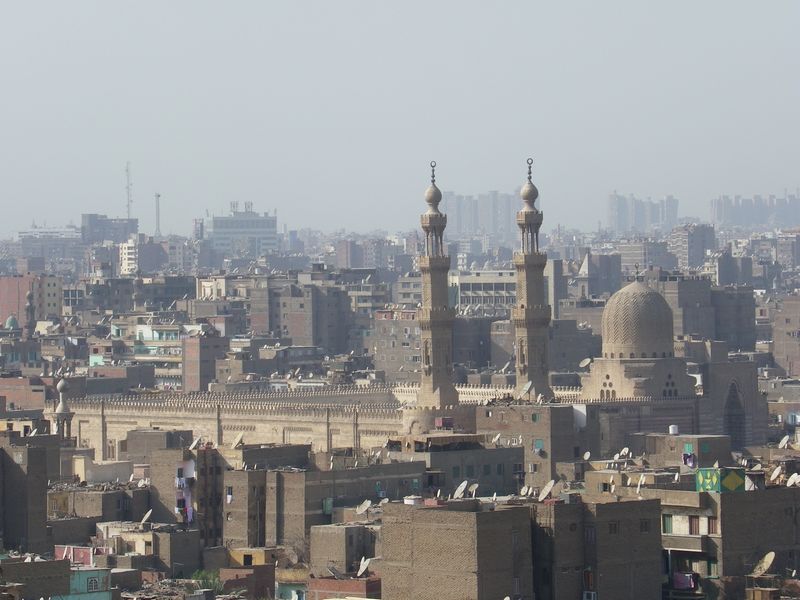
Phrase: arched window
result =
(92, 584)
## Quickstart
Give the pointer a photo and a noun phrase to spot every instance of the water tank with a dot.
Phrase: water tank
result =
(673, 430)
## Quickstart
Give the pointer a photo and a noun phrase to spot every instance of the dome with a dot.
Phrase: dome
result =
(433, 196)
(11, 322)
(637, 323)
(529, 193)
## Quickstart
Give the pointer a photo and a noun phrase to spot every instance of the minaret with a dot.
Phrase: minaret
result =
(435, 316)
(63, 415)
(531, 315)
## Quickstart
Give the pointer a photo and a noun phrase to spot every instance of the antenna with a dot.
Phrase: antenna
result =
(128, 188)
(546, 490)
(363, 507)
(763, 565)
(146, 517)
(363, 566)
(459, 493)
(158, 216)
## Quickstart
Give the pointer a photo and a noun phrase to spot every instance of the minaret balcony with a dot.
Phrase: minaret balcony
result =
(537, 316)
(534, 260)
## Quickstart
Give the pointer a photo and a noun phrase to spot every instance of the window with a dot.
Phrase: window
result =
(688, 448)
(487, 469)
(456, 472)
(713, 569)
(644, 525)
(589, 534)
(470, 471)
(613, 527)
(499, 468)
(694, 525)
(713, 526)
(538, 444)
(666, 523)
(92, 584)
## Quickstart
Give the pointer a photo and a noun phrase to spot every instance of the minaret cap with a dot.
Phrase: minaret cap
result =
(433, 194)
(62, 407)
(529, 193)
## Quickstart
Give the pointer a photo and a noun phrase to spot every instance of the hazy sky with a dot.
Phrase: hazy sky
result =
(330, 111)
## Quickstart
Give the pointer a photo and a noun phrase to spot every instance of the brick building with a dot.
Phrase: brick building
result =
(456, 551)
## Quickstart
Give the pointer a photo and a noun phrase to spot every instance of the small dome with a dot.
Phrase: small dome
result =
(11, 322)
(637, 323)
(529, 193)
(433, 196)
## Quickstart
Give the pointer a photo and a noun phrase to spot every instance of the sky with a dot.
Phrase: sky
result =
(329, 112)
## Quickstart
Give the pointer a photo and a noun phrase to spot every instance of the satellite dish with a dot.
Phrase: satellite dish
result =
(524, 491)
(616, 456)
(34, 432)
(784, 442)
(363, 566)
(146, 516)
(716, 464)
(439, 493)
(638, 487)
(763, 565)
(585, 363)
(677, 477)
(494, 497)
(546, 490)
(775, 474)
(757, 467)
(792, 480)
(611, 479)
(363, 507)
(472, 489)
(625, 451)
(496, 438)
(237, 440)
(613, 487)
(587, 455)
(195, 443)
(459, 493)
(526, 389)
(383, 501)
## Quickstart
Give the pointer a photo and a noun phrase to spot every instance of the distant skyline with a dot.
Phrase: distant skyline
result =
(330, 112)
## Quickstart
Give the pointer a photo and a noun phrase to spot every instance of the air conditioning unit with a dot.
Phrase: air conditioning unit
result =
(589, 595)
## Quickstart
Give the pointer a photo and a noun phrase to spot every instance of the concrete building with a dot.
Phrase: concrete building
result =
(597, 548)
(690, 243)
(243, 233)
(97, 228)
(454, 551)
(786, 335)
(452, 458)
(198, 364)
(23, 497)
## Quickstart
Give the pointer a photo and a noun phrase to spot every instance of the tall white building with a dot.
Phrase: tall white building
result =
(243, 233)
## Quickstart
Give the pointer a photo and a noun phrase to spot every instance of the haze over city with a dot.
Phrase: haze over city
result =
(329, 112)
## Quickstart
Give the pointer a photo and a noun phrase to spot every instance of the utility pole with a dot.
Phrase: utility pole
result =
(158, 215)
(128, 187)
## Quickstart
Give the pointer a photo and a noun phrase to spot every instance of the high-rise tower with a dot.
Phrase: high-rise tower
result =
(531, 314)
(435, 316)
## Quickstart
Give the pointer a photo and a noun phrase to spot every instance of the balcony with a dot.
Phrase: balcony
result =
(685, 543)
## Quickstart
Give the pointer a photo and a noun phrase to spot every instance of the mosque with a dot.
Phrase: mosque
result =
(645, 380)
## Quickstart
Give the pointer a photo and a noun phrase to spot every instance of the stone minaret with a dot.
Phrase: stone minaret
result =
(435, 316)
(63, 415)
(531, 314)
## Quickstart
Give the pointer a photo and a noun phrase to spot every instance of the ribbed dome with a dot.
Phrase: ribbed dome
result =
(637, 323)
(12, 323)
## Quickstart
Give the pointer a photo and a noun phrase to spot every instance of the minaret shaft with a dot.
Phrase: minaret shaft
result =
(531, 313)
